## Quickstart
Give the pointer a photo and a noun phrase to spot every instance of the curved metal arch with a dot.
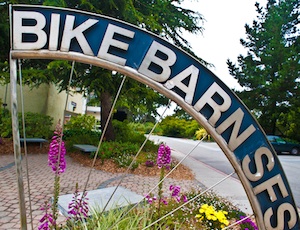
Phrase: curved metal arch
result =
(116, 45)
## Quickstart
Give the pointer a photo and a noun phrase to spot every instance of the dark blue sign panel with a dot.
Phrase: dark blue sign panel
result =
(43, 32)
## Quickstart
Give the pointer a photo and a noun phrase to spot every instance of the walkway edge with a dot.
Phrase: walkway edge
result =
(231, 189)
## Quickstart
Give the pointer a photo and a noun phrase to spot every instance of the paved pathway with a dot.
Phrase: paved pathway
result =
(41, 186)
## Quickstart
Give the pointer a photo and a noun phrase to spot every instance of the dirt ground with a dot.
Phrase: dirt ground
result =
(181, 172)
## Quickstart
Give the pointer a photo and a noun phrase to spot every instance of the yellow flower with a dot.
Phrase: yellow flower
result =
(208, 212)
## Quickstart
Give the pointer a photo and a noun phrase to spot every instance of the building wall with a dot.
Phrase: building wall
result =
(46, 99)
(55, 104)
(35, 100)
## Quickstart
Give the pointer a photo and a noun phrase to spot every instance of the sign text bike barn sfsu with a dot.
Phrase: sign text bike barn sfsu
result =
(60, 31)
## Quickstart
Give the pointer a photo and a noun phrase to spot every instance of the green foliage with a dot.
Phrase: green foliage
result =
(269, 72)
(144, 128)
(176, 127)
(142, 216)
(191, 127)
(36, 125)
(80, 130)
(5, 122)
(81, 136)
(126, 160)
(121, 152)
(289, 125)
(139, 218)
(124, 133)
(80, 121)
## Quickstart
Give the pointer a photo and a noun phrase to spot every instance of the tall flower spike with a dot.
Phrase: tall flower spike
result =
(47, 220)
(78, 207)
(164, 156)
(57, 151)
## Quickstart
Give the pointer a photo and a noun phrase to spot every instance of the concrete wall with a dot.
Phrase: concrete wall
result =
(46, 100)
(35, 100)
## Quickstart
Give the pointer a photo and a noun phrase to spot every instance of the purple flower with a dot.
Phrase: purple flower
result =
(163, 156)
(175, 190)
(47, 218)
(248, 222)
(150, 199)
(164, 201)
(57, 151)
(78, 208)
(149, 163)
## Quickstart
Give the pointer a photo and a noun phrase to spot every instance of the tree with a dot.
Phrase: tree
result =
(269, 72)
(163, 17)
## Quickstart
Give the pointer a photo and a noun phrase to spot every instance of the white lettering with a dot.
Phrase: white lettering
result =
(268, 185)
(207, 98)
(258, 164)
(152, 57)
(235, 139)
(70, 33)
(54, 31)
(177, 81)
(285, 207)
(19, 29)
(109, 41)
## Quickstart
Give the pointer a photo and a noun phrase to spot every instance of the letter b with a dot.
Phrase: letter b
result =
(163, 63)
(37, 29)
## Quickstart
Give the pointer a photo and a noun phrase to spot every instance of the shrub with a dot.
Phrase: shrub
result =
(176, 127)
(124, 133)
(6, 126)
(114, 149)
(81, 136)
(79, 122)
(144, 128)
(124, 161)
(36, 125)
(191, 127)
(80, 130)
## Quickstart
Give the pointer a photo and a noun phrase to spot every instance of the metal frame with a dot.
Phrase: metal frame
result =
(133, 73)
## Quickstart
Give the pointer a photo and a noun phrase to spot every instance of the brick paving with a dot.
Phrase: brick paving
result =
(41, 186)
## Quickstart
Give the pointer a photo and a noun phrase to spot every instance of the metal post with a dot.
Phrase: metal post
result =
(16, 141)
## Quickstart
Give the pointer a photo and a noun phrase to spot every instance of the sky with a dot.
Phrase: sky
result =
(223, 28)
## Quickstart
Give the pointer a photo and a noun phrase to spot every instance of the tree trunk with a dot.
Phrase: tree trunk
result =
(106, 104)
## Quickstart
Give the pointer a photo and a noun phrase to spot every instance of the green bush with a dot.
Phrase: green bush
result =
(125, 133)
(81, 122)
(6, 126)
(82, 136)
(191, 127)
(125, 160)
(176, 127)
(114, 149)
(80, 130)
(36, 125)
(144, 128)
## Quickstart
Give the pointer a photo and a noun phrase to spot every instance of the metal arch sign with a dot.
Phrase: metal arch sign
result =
(56, 33)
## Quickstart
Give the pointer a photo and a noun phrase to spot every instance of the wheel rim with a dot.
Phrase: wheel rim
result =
(295, 151)
(224, 117)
